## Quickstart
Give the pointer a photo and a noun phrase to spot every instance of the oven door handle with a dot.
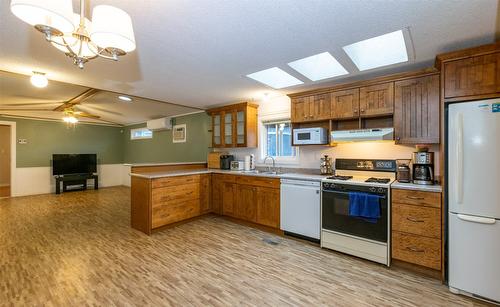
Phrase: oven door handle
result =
(340, 192)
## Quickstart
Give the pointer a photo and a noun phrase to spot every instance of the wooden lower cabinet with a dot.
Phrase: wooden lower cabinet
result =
(159, 202)
(417, 228)
(248, 198)
(246, 203)
(162, 201)
(268, 207)
(228, 198)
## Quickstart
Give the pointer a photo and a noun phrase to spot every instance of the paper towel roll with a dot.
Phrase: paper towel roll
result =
(247, 163)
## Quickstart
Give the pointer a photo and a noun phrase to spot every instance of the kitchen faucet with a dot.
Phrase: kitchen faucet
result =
(269, 169)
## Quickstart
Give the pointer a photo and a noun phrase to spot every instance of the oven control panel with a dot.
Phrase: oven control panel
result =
(366, 165)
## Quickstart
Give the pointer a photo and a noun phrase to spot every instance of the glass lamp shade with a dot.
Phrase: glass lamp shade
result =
(52, 13)
(74, 44)
(112, 27)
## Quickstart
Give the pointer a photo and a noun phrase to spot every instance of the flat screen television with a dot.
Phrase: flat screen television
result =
(67, 164)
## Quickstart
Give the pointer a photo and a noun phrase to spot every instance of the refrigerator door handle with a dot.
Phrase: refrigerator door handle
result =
(476, 219)
(460, 158)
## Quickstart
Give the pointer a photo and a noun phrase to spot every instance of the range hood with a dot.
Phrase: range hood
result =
(376, 134)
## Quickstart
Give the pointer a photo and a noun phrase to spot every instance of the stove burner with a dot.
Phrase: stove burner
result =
(378, 180)
(340, 177)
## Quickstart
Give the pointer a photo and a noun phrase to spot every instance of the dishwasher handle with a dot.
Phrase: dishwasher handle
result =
(307, 183)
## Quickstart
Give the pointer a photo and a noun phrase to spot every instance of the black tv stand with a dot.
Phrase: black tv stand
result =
(78, 180)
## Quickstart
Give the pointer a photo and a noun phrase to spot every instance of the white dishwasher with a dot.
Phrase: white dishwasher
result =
(301, 208)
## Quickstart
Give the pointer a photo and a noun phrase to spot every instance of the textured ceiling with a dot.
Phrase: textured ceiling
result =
(197, 53)
(16, 92)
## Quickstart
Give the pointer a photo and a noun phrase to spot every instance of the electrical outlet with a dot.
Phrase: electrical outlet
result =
(22, 141)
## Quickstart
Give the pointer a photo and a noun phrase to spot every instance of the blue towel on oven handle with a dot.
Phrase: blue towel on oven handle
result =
(364, 205)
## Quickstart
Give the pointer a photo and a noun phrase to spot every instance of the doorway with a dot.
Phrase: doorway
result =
(5, 160)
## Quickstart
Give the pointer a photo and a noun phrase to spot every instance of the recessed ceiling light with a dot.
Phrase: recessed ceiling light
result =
(38, 79)
(275, 78)
(125, 98)
(379, 51)
(318, 67)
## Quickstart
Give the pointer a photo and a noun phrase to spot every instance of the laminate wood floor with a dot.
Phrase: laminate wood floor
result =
(77, 249)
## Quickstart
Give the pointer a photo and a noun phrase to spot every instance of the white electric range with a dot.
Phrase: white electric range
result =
(358, 233)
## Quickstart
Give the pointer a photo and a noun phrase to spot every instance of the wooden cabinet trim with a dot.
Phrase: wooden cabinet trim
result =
(374, 81)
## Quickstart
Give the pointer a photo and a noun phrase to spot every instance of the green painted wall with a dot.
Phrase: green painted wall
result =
(161, 149)
(112, 144)
(46, 138)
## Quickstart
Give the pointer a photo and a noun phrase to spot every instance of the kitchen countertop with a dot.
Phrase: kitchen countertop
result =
(161, 164)
(416, 187)
(298, 176)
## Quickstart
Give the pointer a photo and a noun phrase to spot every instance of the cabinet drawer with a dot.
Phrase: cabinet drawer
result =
(173, 181)
(417, 249)
(225, 177)
(175, 194)
(259, 181)
(424, 221)
(419, 198)
(172, 212)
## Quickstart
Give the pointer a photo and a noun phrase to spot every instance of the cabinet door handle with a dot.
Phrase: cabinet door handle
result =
(362, 110)
(414, 249)
(415, 197)
(355, 111)
(415, 220)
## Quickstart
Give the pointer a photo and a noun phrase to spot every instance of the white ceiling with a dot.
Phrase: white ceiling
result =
(197, 53)
(17, 93)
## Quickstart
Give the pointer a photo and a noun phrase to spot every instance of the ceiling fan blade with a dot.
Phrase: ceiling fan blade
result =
(102, 110)
(84, 114)
(28, 104)
(78, 99)
(20, 109)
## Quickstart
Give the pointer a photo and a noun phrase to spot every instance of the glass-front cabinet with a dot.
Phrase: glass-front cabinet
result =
(234, 125)
(216, 130)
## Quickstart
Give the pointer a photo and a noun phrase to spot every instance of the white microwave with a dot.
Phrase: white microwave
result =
(310, 136)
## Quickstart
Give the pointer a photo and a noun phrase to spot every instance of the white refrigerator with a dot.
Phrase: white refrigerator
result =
(474, 198)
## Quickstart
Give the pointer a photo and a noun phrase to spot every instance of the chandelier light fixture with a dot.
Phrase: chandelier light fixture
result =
(109, 35)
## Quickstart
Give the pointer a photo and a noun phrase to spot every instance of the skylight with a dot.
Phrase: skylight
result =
(379, 51)
(318, 67)
(275, 78)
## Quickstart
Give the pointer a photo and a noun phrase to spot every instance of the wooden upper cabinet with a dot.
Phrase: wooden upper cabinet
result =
(472, 76)
(300, 109)
(234, 125)
(376, 100)
(311, 108)
(345, 104)
(320, 108)
(416, 114)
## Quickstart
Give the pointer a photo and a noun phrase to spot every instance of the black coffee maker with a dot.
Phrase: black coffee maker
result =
(423, 167)
(225, 161)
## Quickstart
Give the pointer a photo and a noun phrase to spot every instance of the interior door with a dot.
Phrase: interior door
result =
(473, 158)
(5, 149)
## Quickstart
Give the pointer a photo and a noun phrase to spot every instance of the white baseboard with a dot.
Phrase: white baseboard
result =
(39, 180)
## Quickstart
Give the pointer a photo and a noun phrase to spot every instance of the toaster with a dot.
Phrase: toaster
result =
(237, 165)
